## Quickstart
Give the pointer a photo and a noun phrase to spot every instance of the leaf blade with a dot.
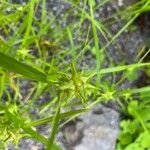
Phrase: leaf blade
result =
(16, 66)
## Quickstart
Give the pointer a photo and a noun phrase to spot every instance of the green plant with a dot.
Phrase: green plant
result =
(73, 85)
(135, 132)
(33, 49)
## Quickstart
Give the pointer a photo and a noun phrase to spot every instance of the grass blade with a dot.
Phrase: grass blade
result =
(119, 68)
(61, 115)
(136, 91)
(50, 144)
(2, 83)
(27, 71)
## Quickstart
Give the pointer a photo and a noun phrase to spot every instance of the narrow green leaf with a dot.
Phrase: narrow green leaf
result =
(135, 91)
(2, 83)
(122, 68)
(27, 71)
(61, 115)
(50, 144)
(119, 69)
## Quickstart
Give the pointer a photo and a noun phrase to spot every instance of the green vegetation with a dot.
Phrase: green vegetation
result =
(36, 48)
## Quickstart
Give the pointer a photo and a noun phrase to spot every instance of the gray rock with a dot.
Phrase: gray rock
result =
(98, 138)
(99, 130)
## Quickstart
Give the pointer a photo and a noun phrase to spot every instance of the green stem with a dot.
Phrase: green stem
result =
(50, 144)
